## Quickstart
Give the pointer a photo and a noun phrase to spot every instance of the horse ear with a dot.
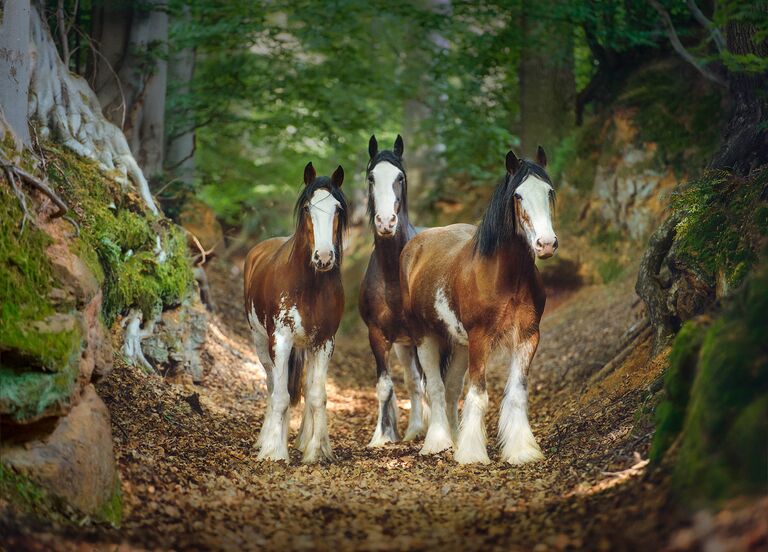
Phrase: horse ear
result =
(309, 174)
(399, 147)
(373, 146)
(541, 157)
(513, 163)
(337, 178)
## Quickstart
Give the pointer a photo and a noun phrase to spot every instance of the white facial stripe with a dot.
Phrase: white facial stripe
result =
(384, 198)
(322, 209)
(535, 204)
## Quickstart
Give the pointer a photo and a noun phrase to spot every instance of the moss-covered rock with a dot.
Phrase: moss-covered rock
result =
(717, 399)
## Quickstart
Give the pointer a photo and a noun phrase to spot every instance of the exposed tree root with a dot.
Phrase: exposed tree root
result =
(134, 333)
(66, 107)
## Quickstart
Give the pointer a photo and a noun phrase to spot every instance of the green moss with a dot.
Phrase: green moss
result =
(725, 221)
(670, 413)
(30, 497)
(120, 238)
(25, 395)
(112, 510)
(722, 449)
(21, 491)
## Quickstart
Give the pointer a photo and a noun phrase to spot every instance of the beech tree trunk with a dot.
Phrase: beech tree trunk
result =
(547, 83)
(130, 79)
(15, 66)
(180, 142)
(745, 143)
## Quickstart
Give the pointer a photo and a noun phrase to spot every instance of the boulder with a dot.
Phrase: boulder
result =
(178, 338)
(75, 462)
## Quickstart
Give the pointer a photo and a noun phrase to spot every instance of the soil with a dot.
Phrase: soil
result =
(190, 478)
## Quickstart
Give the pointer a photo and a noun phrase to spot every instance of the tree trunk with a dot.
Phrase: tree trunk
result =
(15, 66)
(547, 84)
(745, 143)
(64, 106)
(180, 142)
(130, 79)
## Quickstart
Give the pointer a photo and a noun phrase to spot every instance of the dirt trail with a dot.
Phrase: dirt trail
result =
(191, 480)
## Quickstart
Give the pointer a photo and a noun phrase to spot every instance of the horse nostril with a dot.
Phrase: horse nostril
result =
(393, 219)
(555, 244)
(539, 245)
(378, 219)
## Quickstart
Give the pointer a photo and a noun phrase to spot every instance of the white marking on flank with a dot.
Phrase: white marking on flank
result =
(454, 326)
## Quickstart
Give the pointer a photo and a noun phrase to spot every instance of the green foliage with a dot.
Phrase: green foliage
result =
(677, 110)
(725, 222)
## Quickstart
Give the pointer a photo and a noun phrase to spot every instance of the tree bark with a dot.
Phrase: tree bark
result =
(547, 83)
(745, 142)
(15, 66)
(130, 80)
(180, 148)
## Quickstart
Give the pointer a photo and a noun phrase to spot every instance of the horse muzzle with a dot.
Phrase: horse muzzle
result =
(385, 226)
(545, 248)
(323, 262)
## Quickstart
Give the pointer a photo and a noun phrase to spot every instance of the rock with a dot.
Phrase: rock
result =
(72, 273)
(179, 335)
(76, 461)
(630, 189)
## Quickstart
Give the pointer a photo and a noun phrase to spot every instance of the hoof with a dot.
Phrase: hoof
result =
(437, 440)
(318, 453)
(524, 455)
(273, 455)
(413, 432)
(472, 457)
(381, 439)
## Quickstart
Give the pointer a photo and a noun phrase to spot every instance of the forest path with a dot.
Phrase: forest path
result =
(191, 480)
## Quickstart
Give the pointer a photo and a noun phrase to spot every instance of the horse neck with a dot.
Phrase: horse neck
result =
(512, 263)
(388, 249)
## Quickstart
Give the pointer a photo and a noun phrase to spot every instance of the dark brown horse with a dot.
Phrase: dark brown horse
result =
(469, 291)
(294, 301)
(380, 302)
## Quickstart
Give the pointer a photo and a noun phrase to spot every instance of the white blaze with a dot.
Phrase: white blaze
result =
(384, 198)
(322, 210)
(535, 203)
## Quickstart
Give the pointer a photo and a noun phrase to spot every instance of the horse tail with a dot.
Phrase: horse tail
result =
(422, 376)
(295, 374)
(445, 360)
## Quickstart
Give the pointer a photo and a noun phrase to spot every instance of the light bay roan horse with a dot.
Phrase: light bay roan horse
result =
(294, 301)
(380, 303)
(469, 291)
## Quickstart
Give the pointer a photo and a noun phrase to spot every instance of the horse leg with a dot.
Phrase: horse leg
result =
(518, 445)
(273, 440)
(438, 436)
(454, 386)
(471, 445)
(386, 424)
(307, 427)
(413, 377)
(318, 446)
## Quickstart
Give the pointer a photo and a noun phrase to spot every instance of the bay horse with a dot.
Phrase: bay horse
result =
(380, 302)
(469, 291)
(294, 301)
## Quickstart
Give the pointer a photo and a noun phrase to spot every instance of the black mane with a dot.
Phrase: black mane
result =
(394, 159)
(325, 183)
(499, 223)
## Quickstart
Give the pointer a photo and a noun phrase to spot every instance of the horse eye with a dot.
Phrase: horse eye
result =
(370, 179)
(518, 196)
(401, 179)
(306, 208)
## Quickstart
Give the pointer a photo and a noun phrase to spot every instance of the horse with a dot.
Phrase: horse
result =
(469, 291)
(380, 303)
(294, 301)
